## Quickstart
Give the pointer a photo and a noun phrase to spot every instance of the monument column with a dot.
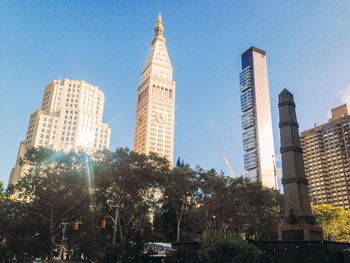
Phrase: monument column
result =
(298, 222)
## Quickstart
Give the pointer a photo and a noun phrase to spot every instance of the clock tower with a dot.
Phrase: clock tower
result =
(154, 124)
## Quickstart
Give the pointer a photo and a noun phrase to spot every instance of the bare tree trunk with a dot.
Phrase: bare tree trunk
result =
(116, 218)
(178, 227)
(52, 234)
(121, 232)
(94, 244)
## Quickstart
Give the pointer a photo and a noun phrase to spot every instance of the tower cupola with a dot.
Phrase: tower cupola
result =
(158, 30)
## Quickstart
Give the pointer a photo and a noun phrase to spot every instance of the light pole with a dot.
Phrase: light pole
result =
(63, 233)
(115, 222)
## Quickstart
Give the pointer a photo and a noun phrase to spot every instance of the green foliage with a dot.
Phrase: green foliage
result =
(164, 204)
(129, 180)
(187, 253)
(120, 253)
(1, 189)
(227, 248)
(238, 205)
(180, 163)
(335, 222)
(180, 194)
(195, 201)
(52, 191)
(18, 230)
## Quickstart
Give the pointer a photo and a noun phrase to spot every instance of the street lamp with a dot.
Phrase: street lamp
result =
(115, 222)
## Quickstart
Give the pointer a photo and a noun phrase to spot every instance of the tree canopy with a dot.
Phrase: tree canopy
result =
(140, 198)
(335, 222)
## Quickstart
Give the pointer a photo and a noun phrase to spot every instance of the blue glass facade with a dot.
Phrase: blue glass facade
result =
(250, 160)
(249, 139)
(247, 100)
(248, 119)
(245, 78)
(252, 175)
(247, 61)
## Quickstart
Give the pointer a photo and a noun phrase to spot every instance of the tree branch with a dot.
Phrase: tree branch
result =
(38, 214)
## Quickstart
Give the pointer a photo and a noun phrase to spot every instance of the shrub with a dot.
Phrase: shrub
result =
(120, 253)
(227, 248)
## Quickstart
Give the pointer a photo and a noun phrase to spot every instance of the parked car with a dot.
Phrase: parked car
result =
(157, 249)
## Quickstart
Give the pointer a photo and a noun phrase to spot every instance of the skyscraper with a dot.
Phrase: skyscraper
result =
(326, 152)
(70, 118)
(258, 142)
(154, 124)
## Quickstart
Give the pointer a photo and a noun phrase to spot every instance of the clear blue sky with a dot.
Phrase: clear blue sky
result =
(106, 43)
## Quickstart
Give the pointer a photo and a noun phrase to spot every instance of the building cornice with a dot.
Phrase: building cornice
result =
(257, 50)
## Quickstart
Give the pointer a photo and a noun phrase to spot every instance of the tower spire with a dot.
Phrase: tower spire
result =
(159, 27)
(155, 110)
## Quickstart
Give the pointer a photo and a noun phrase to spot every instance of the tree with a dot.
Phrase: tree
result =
(19, 230)
(53, 189)
(180, 194)
(214, 199)
(129, 181)
(141, 197)
(180, 163)
(263, 211)
(238, 205)
(6, 211)
(335, 222)
(10, 215)
(227, 248)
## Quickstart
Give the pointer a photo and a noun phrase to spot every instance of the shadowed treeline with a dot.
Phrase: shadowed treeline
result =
(63, 198)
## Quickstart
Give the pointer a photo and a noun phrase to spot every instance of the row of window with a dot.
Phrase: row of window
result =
(249, 139)
(248, 118)
(252, 175)
(245, 78)
(250, 159)
(247, 100)
(158, 149)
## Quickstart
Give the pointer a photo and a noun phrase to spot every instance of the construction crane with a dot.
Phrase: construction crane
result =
(229, 167)
(274, 170)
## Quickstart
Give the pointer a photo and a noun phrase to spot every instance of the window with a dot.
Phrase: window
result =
(246, 100)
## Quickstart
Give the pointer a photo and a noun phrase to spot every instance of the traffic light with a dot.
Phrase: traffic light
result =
(103, 223)
(76, 225)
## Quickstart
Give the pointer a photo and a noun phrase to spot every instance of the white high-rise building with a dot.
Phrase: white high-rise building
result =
(70, 118)
(258, 144)
(154, 125)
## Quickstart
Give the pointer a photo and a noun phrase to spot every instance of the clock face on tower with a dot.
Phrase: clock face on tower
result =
(160, 117)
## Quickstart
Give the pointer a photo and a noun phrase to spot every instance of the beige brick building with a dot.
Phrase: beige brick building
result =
(326, 152)
(154, 124)
(70, 118)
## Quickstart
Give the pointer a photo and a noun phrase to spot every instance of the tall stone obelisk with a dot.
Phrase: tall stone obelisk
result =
(298, 222)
